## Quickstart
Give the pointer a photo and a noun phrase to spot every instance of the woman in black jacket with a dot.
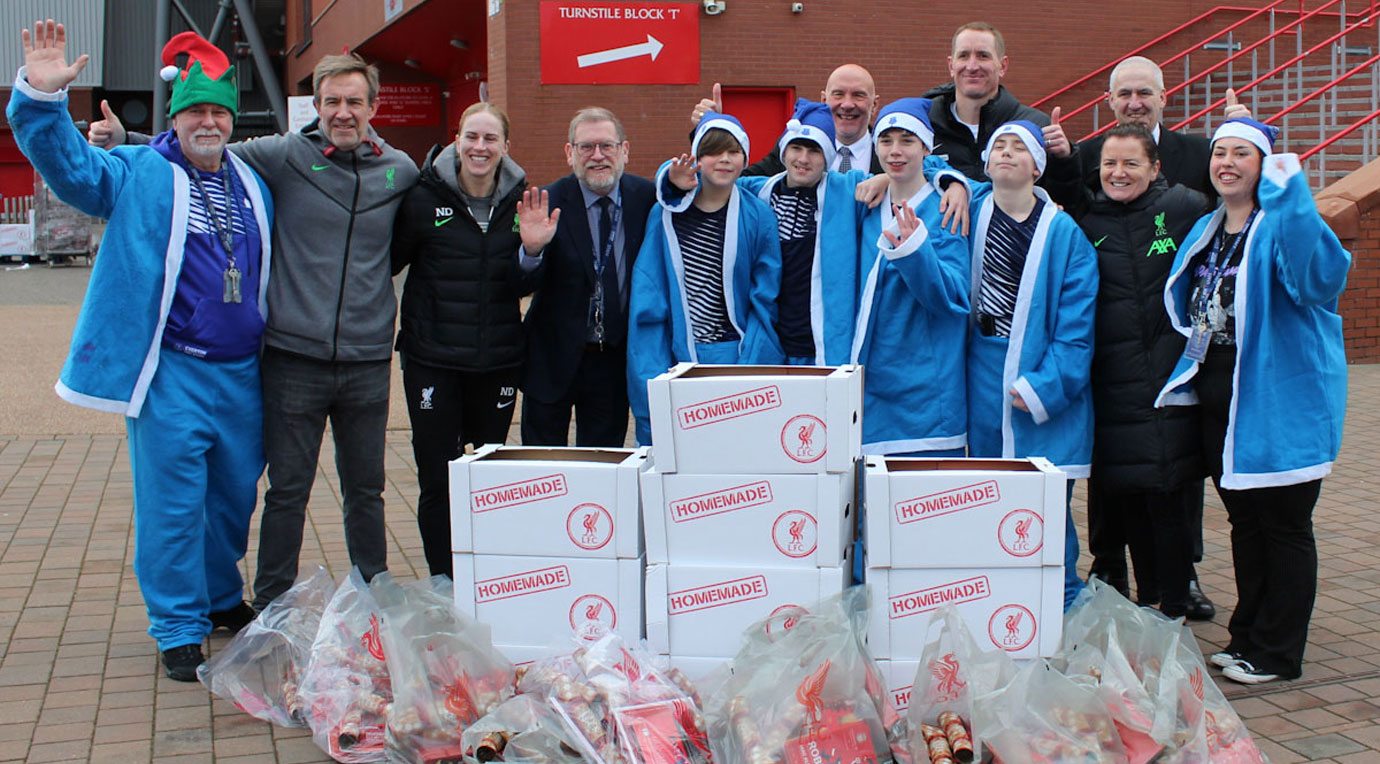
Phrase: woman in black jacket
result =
(461, 341)
(1147, 464)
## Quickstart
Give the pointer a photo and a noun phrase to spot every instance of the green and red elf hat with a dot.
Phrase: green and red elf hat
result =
(209, 77)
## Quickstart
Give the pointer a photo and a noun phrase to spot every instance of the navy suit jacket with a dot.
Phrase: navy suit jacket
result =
(559, 313)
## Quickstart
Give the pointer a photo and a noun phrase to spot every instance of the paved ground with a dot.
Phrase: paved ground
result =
(80, 681)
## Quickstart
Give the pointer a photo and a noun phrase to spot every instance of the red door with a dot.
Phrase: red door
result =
(763, 112)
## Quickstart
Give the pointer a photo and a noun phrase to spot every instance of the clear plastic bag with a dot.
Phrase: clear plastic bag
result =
(346, 686)
(953, 670)
(260, 669)
(801, 697)
(524, 729)
(1043, 716)
(443, 668)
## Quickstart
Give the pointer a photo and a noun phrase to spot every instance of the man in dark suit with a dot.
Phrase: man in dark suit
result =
(576, 326)
(851, 96)
(1136, 94)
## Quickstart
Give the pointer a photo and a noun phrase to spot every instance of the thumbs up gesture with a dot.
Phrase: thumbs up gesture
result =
(715, 104)
(108, 132)
(1234, 108)
(1056, 143)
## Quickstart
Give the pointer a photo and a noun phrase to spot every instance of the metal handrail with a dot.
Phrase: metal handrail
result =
(1228, 60)
(1354, 70)
(1338, 136)
(1297, 58)
(1191, 22)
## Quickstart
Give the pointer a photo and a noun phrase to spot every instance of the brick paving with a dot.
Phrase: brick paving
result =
(80, 679)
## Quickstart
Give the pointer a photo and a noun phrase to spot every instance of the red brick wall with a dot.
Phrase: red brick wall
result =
(1351, 206)
(761, 43)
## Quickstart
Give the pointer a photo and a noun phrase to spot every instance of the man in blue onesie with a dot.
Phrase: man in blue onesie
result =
(1034, 290)
(170, 328)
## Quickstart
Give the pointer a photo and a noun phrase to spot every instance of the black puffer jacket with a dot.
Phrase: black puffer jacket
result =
(955, 142)
(460, 302)
(1138, 447)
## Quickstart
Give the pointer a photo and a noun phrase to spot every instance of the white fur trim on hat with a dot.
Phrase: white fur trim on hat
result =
(168, 73)
(1245, 132)
(726, 125)
(798, 131)
(910, 123)
(1032, 144)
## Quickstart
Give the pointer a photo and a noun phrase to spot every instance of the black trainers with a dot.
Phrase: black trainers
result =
(1245, 673)
(181, 662)
(234, 619)
(1225, 659)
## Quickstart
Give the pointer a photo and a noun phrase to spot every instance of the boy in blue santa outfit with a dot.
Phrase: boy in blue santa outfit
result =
(170, 329)
(1034, 290)
(913, 306)
(705, 285)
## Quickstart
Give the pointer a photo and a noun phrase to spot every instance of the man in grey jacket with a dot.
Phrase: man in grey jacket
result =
(331, 308)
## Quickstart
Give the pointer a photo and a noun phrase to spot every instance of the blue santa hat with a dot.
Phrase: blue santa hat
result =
(1261, 135)
(1030, 134)
(811, 122)
(909, 114)
(716, 121)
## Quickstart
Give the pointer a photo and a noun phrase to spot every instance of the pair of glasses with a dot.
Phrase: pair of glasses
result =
(586, 149)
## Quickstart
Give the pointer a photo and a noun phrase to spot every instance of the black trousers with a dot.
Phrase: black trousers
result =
(599, 396)
(1159, 527)
(1273, 552)
(449, 409)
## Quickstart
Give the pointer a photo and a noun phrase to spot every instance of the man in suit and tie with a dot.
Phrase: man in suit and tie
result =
(851, 95)
(576, 326)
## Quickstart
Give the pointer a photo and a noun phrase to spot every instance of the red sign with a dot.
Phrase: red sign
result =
(613, 43)
(408, 104)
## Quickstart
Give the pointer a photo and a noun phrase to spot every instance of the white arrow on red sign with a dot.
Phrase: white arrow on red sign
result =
(652, 47)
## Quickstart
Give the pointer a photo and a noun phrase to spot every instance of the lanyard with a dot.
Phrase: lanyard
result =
(224, 233)
(1218, 268)
(606, 248)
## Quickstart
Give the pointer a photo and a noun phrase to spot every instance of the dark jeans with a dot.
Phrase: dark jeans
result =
(448, 409)
(300, 395)
(599, 396)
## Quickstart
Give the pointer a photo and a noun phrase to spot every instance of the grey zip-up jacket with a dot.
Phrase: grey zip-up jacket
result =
(331, 294)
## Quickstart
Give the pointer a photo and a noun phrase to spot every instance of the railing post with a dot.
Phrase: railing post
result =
(1188, 90)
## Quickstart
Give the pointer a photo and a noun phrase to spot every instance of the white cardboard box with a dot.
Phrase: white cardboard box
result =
(539, 602)
(963, 513)
(1019, 610)
(756, 419)
(898, 677)
(558, 502)
(703, 610)
(802, 521)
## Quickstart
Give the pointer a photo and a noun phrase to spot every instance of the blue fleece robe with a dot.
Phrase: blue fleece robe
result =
(912, 330)
(658, 313)
(1047, 359)
(1289, 393)
(118, 337)
(834, 273)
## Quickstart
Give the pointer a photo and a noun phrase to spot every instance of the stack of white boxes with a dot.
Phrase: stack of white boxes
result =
(750, 507)
(548, 542)
(985, 535)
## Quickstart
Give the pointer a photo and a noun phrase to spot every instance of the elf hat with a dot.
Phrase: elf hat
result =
(209, 77)
(1261, 135)
(715, 121)
(1030, 134)
(909, 114)
(811, 122)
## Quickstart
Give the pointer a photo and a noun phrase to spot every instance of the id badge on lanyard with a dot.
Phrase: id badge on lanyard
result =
(1218, 261)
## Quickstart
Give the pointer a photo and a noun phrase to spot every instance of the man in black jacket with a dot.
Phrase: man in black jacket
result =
(966, 111)
(851, 95)
(576, 326)
(1136, 94)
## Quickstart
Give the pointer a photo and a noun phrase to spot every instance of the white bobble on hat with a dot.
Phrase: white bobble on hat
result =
(169, 73)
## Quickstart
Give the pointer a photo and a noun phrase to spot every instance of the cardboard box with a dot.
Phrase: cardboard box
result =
(803, 521)
(539, 602)
(963, 513)
(558, 502)
(1019, 610)
(898, 676)
(756, 419)
(703, 611)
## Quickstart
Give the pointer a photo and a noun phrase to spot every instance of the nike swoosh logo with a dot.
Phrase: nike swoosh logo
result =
(442, 222)
(319, 167)
(1098, 243)
(506, 405)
